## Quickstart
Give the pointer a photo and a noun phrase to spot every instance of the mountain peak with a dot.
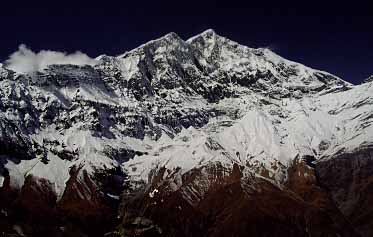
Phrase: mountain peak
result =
(207, 34)
(171, 37)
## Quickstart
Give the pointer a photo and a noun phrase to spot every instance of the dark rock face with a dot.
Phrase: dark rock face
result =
(82, 210)
(349, 179)
(234, 206)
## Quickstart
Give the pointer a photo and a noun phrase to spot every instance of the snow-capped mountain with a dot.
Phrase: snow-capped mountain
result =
(203, 137)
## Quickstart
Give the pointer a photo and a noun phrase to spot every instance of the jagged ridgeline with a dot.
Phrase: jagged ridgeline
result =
(204, 137)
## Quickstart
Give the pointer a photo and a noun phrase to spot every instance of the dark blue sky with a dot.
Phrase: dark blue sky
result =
(334, 37)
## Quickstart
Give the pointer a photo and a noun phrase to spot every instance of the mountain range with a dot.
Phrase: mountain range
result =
(203, 137)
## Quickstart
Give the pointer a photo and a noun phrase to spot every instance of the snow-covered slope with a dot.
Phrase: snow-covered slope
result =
(175, 105)
(143, 100)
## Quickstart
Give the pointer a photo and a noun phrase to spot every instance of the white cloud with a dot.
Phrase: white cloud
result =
(24, 60)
